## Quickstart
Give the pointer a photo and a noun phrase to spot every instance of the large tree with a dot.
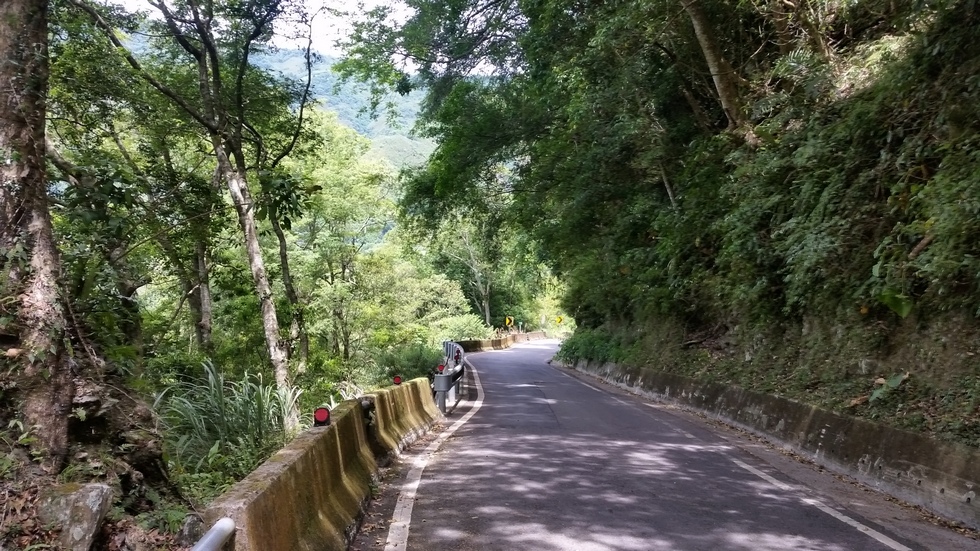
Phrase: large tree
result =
(32, 316)
(211, 44)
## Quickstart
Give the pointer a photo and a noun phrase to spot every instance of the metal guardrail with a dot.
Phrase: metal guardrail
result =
(448, 385)
(217, 536)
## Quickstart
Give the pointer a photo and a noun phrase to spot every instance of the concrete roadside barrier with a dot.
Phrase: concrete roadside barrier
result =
(501, 343)
(401, 414)
(311, 495)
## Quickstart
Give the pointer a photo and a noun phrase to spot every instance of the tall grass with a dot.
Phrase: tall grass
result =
(218, 431)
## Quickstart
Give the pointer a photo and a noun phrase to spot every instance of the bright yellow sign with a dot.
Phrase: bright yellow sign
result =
(558, 319)
(508, 321)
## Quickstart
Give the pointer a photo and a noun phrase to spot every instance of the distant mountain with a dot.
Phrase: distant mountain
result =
(350, 100)
(401, 151)
(390, 131)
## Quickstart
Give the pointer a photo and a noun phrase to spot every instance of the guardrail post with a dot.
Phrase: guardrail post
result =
(441, 384)
(448, 384)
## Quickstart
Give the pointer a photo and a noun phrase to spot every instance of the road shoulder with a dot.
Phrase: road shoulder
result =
(907, 521)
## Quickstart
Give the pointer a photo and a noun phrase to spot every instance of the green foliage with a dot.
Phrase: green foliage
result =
(583, 166)
(218, 431)
(594, 345)
(887, 386)
(617, 164)
(8, 464)
(323, 380)
(165, 517)
(461, 327)
(409, 362)
(848, 197)
(900, 304)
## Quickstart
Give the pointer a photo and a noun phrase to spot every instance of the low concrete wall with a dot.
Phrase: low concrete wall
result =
(401, 414)
(310, 495)
(942, 477)
(501, 343)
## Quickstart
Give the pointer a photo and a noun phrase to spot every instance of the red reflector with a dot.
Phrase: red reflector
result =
(441, 367)
(321, 416)
(397, 380)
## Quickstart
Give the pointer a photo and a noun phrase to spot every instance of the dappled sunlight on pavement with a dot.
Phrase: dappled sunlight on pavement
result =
(551, 464)
(506, 488)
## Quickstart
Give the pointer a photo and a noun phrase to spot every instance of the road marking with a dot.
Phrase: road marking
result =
(608, 394)
(401, 518)
(832, 512)
(577, 380)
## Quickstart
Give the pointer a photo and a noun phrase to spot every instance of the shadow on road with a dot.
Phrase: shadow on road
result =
(546, 465)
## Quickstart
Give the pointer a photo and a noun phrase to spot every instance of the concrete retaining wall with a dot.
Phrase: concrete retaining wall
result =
(942, 477)
(310, 495)
(501, 343)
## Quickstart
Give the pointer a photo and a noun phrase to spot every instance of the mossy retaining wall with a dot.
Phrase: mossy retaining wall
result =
(942, 477)
(310, 496)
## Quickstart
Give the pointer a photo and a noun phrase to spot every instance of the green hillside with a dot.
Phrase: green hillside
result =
(389, 127)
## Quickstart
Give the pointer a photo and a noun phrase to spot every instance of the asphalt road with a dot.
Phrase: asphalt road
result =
(550, 461)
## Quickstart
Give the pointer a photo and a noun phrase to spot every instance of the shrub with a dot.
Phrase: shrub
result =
(459, 328)
(593, 345)
(409, 362)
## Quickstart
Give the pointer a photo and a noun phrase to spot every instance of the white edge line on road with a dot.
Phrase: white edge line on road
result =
(832, 512)
(580, 381)
(597, 389)
(401, 518)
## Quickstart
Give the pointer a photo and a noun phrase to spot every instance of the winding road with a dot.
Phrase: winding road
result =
(546, 459)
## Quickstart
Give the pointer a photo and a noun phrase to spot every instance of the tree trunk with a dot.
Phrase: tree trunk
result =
(203, 318)
(483, 292)
(297, 330)
(780, 19)
(347, 346)
(810, 21)
(480, 281)
(238, 188)
(668, 187)
(687, 91)
(190, 284)
(30, 263)
(726, 83)
(127, 287)
(223, 124)
(335, 336)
